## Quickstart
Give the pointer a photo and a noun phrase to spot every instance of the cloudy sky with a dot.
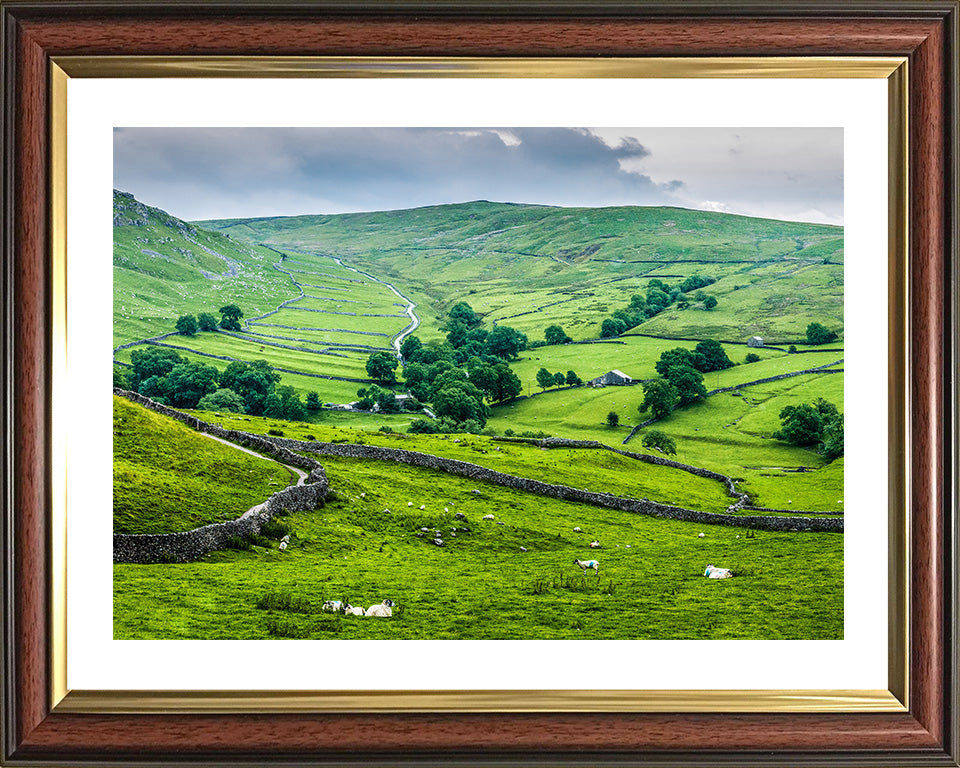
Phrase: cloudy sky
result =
(200, 173)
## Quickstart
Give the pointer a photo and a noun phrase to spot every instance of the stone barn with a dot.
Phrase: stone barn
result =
(754, 341)
(611, 378)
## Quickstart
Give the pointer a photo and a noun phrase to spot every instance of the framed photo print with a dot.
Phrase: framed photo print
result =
(467, 384)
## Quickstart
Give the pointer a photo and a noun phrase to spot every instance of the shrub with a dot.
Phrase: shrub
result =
(752, 357)
(386, 428)
(275, 432)
(274, 529)
(659, 440)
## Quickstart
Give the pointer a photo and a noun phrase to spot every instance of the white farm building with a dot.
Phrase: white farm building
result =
(611, 378)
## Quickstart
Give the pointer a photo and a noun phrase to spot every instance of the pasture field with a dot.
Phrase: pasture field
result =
(168, 478)
(480, 585)
(579, 468)
(773, 278)
(725, 433)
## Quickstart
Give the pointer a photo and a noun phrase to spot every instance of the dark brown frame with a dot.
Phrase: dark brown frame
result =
(923, 31)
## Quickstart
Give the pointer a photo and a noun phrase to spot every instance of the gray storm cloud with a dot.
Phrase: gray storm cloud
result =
(197, 173)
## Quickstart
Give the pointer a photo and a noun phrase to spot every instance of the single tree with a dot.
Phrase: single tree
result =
(230, 317)
(800, 425)
(221, 400)
(612, 327)
(573, 380)
(819, 334)
(206, 322)
(613, 419)
(688, 383)
(752, 357)
(710, 302)
(554, 334)
(654, 438)
(559, 379)
(660, 397)
(187, 325)
(505, 342)
(508, 383)
(313, 401)
(382, 367)
(710, 356)
(544, 378)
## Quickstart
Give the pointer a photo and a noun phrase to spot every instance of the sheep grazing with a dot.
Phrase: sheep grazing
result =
(523, 549)
(585, 564)
(286, 539)
(423, 506)
(363, 495)
(283, 546)
(595, 544)
(487, 517)
(699, 535)
(382, 610)
(409, 503)
(713, 572)
(577, 529)
(332, 606)
(352, 610)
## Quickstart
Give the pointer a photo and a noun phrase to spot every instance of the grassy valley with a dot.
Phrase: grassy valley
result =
(331, 307)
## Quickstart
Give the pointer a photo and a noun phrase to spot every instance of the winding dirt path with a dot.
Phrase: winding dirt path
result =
(301, 475)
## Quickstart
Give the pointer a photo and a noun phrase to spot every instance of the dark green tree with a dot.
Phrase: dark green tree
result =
(554, 334)
(710, 302)
(313, 401)
(613, 419)
(188, 382)
(573, 380)
(820, 334)
(410, 349)
(559, 379)
(544, 379)
(508, 383)
(505, 342)
(151, 361)
(687, 381)
(230, 317)
(221, 400)
(800, 425)
(206, 322)
(654, 438)
(675, 356)
(120, 380)
(832, 446)
(712, 357)
(612, 327)
(187, 325)
(382, 367)
(659, 397)
(463, 313)
(752, 357)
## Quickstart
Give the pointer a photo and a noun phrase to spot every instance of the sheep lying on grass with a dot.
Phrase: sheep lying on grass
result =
(351, 610)
(382, 610)
(713, 572)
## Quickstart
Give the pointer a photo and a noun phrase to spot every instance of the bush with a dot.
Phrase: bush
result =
(659, 440)
(385, 428)
(274, 529)
(752, 357)
(275, 432)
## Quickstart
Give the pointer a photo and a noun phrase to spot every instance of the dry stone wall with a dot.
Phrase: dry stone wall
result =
(189, 545)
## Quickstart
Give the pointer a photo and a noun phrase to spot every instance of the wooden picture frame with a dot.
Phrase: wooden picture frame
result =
(38, 730)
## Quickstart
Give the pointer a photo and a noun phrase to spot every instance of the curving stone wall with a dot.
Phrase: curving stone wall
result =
(189, 545)
(610, 501)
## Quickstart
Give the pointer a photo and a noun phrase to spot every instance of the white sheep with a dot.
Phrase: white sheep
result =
(577, 529)
(423, 506)
(283, 546)
(382, 610)
(585, 564)
(409, 503)
(699, 535)
(523, 549)
(595, 544)
(286, 538)
(352, 610)
(713, 572)
(488, 517)
(332, 606)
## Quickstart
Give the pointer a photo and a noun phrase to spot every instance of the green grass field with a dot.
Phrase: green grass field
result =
(168, 478)
(480, 584)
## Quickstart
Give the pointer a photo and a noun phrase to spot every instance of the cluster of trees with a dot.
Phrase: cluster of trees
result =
(230, 315)
(820, 334)
(819, 423)
(545, 379)
(659, 296)
(681, 377)
(459, 376)
(167, 377)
